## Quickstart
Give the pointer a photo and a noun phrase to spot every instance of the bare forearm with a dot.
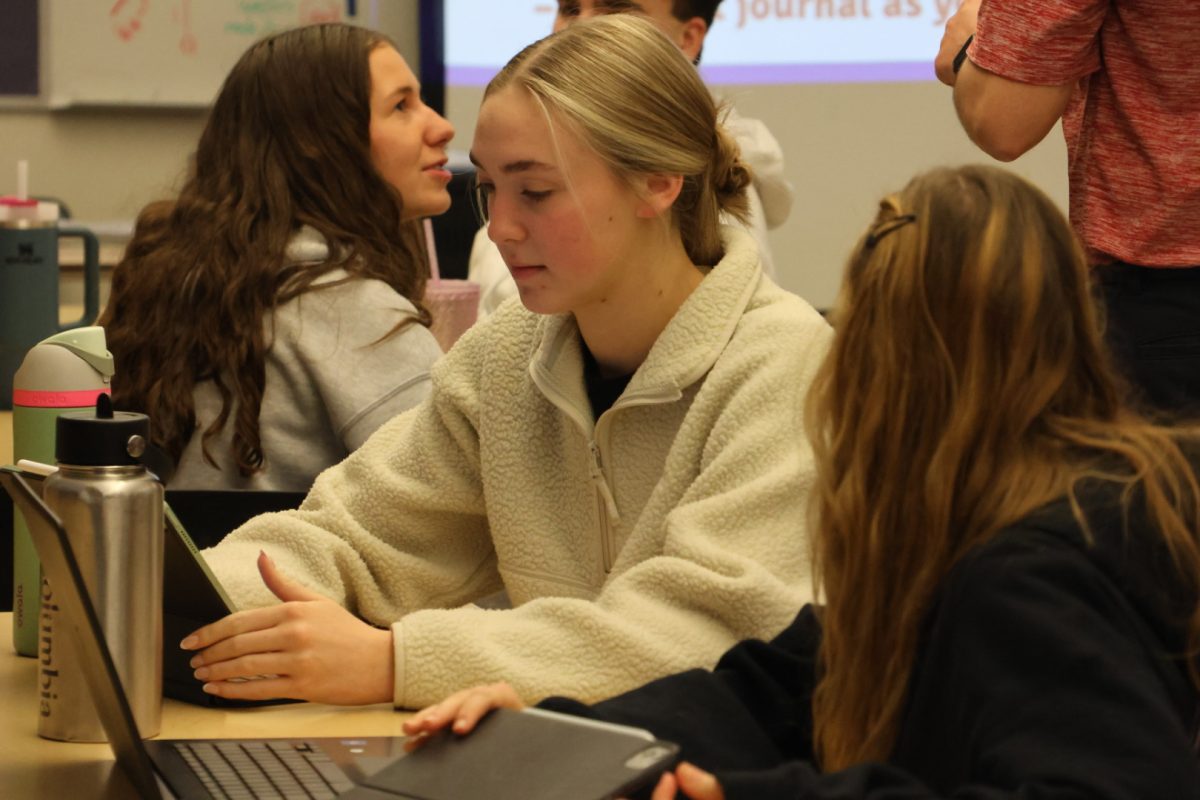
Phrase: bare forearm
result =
(1004, 118)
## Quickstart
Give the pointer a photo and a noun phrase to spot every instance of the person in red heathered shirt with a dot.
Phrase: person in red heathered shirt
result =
(1121, 76)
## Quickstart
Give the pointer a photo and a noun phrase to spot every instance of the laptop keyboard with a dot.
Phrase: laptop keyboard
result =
(263, 770)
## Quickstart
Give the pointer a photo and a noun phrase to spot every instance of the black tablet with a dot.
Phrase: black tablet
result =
(526, 755)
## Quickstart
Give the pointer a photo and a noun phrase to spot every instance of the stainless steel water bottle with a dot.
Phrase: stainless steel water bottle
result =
(112, 509)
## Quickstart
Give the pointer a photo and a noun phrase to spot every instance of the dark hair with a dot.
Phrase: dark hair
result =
(287, 143)
(683, 10)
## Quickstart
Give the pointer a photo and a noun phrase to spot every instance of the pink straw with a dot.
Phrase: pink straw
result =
(22, 180)
(434, 272)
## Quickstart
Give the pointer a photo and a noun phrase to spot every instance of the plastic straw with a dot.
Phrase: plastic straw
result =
(434, 272)
(22, 180)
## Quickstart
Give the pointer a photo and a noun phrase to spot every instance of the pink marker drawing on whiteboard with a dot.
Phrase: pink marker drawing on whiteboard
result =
(127, 19)
(314, 11)
(187, 43)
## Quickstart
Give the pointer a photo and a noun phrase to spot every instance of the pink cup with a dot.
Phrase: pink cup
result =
(454, 305)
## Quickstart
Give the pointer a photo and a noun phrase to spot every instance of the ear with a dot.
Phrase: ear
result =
(691, 37)
(658, 193)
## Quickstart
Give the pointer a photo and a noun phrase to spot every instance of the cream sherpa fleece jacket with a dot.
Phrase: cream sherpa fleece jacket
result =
(641, 545)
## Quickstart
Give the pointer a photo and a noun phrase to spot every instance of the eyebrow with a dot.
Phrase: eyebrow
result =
(525, 165)
(617, 6)
(603, 6)
(407, 88)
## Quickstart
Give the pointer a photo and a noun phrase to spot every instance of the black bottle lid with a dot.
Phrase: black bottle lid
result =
(104, 438)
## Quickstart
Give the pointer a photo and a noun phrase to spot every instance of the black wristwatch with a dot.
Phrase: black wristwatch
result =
(962, 54)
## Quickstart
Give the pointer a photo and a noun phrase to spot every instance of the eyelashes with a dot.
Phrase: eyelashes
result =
(484, 191)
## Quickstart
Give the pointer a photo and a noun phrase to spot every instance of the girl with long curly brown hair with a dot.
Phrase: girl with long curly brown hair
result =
(269, 318)
(1009, 556)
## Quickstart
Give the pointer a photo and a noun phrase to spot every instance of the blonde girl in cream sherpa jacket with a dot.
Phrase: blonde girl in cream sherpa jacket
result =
(630, 546)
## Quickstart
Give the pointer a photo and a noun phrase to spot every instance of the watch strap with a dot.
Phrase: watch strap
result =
(961, 56)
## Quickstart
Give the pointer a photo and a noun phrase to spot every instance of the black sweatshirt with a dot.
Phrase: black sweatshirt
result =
(1048, 668)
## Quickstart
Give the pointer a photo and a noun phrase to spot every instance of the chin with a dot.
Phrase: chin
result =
(539, 303)
(429, 208)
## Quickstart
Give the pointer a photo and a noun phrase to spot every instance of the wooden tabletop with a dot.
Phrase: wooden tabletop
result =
(35, 768)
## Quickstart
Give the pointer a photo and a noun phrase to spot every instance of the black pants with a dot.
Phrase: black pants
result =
(1153, 330)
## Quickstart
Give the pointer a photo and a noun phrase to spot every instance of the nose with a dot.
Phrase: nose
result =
(503, 226)
(439, 131)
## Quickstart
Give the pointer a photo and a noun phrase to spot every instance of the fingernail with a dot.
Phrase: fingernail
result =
(201, 674)
(189, 642)
(210, 688)
(196, 661)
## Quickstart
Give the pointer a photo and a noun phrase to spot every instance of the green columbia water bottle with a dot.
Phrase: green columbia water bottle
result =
(65, 372)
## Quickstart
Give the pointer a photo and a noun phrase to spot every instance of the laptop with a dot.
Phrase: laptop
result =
(192, 595)
(531, 754)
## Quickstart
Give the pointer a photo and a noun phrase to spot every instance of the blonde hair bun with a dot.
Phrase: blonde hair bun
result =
(731, 177)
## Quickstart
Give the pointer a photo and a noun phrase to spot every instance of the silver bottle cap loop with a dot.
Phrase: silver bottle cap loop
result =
(136, 445)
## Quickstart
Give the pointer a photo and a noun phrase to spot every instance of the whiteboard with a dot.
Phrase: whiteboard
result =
(162, 52)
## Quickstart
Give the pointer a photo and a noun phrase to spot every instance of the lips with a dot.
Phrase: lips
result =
(519, 271)
(438, 171)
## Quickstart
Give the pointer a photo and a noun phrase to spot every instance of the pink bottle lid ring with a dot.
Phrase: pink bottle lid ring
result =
(21, 210)
(30, 398)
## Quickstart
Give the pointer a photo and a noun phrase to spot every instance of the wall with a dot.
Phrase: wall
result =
(845, 147)
(108, 162)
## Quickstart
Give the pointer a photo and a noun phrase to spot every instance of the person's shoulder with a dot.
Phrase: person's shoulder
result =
(348, 301)
(772, 302)
(339, 292)
(344, 313)
(1026, 569)
(1116, 554)
(771, 323)
(778, 315)
(1050, 533)
(1046, 573)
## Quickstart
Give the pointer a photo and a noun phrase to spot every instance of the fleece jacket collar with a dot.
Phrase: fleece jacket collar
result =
(685, 350)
